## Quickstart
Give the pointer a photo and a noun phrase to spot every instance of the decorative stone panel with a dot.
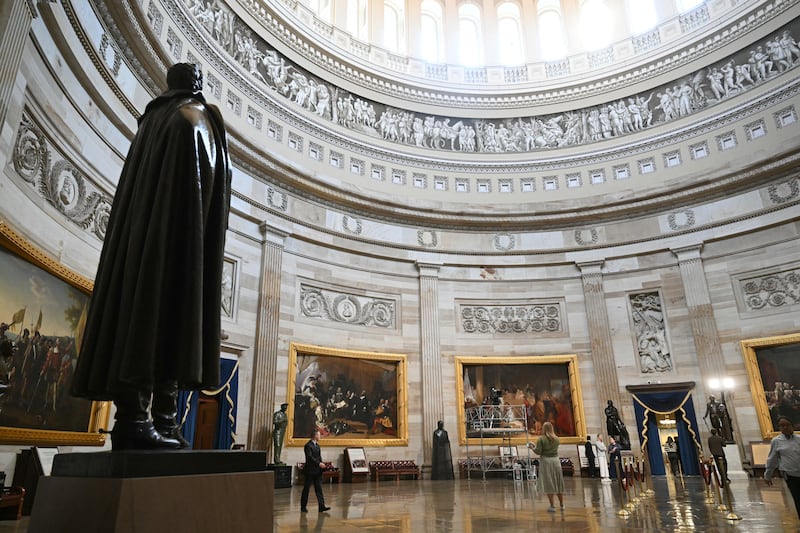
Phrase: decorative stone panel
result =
(787, 191)
(56, 179)
(333, 305)
(650, 330)
(770, 291)
(534, 316)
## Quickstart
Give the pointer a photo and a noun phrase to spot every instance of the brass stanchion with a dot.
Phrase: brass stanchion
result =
(729, 499)
(622, 489)
(721, 506)
(647, 475)
(706, 471)
(632, 482)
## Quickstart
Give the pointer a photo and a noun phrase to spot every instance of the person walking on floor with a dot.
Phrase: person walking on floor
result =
(784, 454)
(550, 474)
(671, 448)
(312, 473)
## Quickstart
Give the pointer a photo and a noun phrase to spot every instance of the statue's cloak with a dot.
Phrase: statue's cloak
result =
(155, 309)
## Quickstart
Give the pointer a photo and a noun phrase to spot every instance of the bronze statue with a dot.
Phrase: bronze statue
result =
(717, 413)
(442, 459)
(154, 318)
(615, 427)
(279, 423)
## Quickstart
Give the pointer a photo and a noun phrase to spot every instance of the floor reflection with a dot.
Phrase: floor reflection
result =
(500, 505)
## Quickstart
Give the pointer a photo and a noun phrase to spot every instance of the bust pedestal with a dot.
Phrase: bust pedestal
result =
(283, 475)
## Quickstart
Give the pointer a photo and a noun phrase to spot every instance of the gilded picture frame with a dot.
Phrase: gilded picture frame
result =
(41, 294)
(773, 367)
(551, 380)
(354, 398)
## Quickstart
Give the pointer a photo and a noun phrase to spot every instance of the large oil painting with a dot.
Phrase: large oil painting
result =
(42, 313)
(773, 366)
(507, 397)
(353, 398)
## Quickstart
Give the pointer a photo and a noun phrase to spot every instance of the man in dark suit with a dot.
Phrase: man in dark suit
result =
(590, 455)
(312, 472)
(715, 445)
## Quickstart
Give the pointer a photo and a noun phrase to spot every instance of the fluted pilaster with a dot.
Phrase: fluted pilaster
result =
(605, 367)
(265, 356)
(701, 314)
(15, 23)
(432, 400)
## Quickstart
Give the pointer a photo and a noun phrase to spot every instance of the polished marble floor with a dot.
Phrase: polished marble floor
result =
(500, 506)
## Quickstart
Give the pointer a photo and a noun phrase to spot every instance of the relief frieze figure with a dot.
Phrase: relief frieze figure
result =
(728, 77)
(650, 330)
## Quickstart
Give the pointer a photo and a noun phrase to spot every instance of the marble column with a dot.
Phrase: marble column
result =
(15, 23)
(706, 336)
(603, 361)
(265, 354)
(431, 355)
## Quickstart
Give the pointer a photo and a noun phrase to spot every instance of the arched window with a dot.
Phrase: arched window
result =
(357, 19)
(509, 31)
(394, 26)
(596, 24)
(688, 5)
(551, 31)
(322, 8)
(432, 34)
(642, 16)
(469, 35)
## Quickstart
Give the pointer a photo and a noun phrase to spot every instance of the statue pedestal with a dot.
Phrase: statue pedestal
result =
(735, 470)
(283, 475)
(147, 491)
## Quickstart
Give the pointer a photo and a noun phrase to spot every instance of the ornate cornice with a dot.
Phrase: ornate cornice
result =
(509, 96)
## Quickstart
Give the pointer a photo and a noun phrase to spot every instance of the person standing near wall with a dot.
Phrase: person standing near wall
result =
(590, 455)
(784, 454)
(602, 460)
(550, 474)
(715, 445)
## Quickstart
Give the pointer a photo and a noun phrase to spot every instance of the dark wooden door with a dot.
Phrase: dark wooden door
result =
(205, 433)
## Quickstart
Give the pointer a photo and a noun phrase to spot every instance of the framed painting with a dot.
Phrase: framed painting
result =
(353, 398)
(43, 309)
(501, 398)
(773, 366)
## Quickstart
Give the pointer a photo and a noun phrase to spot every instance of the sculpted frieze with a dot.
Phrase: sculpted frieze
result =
(771, 291)
(721, 80)
(338, 306)
(58, 181)
(539, 317)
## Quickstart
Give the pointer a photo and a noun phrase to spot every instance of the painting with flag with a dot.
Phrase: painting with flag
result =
(35, 404)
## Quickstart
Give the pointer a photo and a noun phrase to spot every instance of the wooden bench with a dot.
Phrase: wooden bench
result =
(394, 469)
(11, 503)
(758, 453)
(330, 473)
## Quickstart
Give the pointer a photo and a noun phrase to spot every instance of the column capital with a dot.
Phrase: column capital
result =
(274, 233)
(687, 253)
(591, 267)
(428, 269)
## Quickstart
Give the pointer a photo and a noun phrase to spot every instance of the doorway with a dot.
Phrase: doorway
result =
(663, 411)
(205, 433)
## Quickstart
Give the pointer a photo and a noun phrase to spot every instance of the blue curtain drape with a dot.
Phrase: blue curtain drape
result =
(187, 414)
(229, 385)
(228, 392)
(646, 406)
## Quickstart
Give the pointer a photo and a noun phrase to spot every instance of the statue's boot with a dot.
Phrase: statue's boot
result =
(132, 428)
(165, 412)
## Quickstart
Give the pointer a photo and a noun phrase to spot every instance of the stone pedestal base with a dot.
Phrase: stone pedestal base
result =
(735, 470)
(283, 475)
(199, 503)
